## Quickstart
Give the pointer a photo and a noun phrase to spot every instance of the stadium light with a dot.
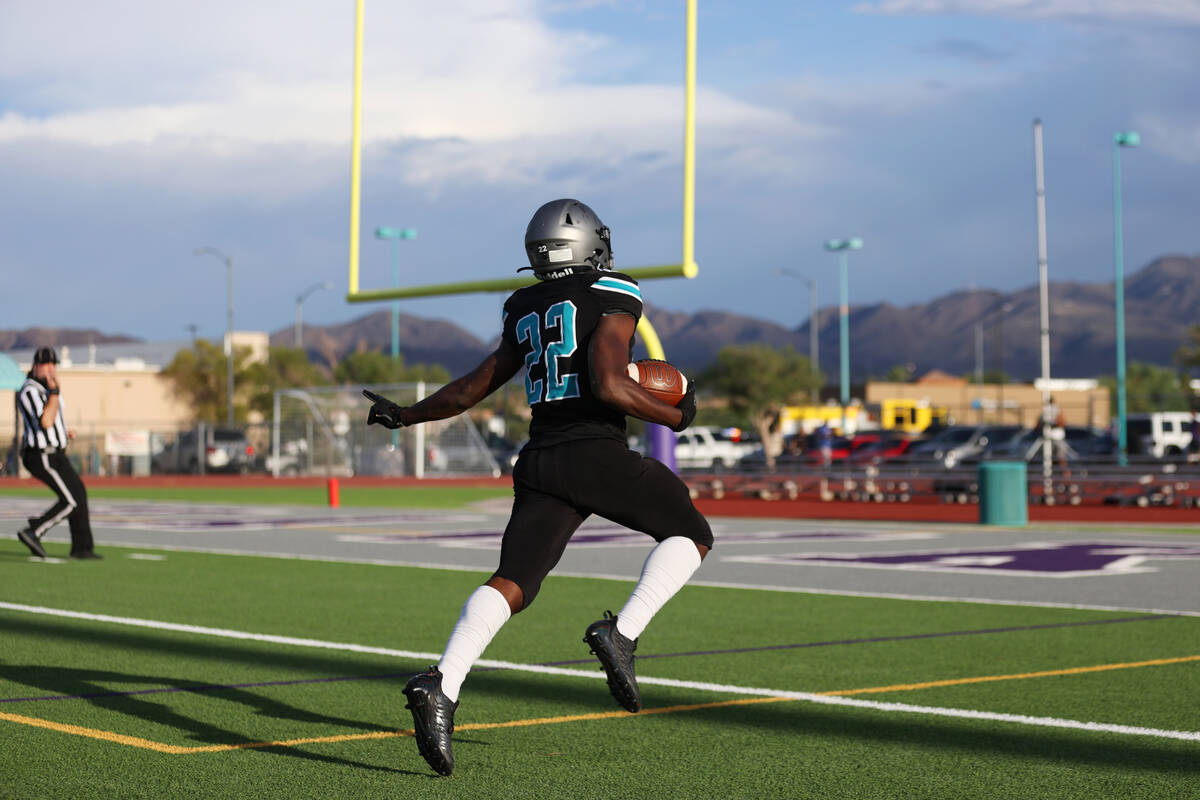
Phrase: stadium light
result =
(1120, 139)
(841, 246)
(214, 252)
(397, 235)
(298, 335)
(814, 354)
(1001, 378)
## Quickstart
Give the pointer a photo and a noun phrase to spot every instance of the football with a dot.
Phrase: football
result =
(660, 379)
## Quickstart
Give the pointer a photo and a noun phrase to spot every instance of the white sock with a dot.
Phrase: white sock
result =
(482, 616)
(666, 570)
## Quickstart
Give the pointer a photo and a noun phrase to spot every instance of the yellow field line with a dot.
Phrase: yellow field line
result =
(92, 733)
(908, 687)
(159, 747)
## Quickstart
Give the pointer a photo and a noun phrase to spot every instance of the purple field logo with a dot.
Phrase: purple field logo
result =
(611, 535)
(1062, 560)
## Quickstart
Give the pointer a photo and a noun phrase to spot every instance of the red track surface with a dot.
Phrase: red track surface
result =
(920, 510)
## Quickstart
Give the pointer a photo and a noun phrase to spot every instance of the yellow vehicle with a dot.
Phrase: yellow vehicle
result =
(806, 419)
(910, 416)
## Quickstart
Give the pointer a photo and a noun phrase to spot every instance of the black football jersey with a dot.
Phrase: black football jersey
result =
(551, 323)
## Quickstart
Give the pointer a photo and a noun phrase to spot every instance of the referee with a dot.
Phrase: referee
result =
(44, 453)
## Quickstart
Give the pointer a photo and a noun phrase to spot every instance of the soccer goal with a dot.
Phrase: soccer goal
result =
(322, 431)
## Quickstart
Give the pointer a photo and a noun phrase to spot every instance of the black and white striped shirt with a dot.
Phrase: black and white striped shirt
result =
(31, 401)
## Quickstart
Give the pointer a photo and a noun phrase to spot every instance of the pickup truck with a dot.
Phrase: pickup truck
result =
(707, 447)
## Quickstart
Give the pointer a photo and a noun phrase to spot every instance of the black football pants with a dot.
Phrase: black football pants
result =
(556, 488)
(55, 470)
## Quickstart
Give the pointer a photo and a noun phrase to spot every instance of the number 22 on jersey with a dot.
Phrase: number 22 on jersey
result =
(544, 354)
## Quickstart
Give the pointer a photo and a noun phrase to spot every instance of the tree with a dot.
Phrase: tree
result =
(758, 380)
(1188, 354)
(198, 376)
(373, 367)
(285, 368)
(900, 373)
(1188, 359)
(1149, 387)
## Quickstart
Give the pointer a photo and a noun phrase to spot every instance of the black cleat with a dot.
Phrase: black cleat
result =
(29, 540)
(86, 554)
(433, 719)
(615, 652)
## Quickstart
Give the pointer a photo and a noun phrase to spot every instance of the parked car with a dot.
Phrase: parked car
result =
(224, 450)
(1080, 443)
(292, 460)
(883, 449)
(705, 447)
(951, 445)
(799, 450)
(502, 449)
(840, 449)
(1163, 434)
(1016, 447)
(455, 456)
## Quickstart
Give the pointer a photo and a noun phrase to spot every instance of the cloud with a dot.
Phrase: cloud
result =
(1178, 11)
(484, 88)
(1175, 135)
(964, 50)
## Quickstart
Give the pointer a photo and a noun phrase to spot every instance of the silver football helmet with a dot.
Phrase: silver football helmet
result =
(566, 235)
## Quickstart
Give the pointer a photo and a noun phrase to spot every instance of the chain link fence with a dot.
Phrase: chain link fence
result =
(322, 431)
(313, 431)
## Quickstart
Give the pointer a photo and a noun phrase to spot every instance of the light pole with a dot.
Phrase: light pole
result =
(1121, 139)
(1001, 378)
(398, 235)
(813, 352)
(841, 246)
(298, 335)
(212, 251)
(1039, 180)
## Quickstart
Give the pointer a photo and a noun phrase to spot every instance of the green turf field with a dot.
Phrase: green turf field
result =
(228, 723)
(350, 496)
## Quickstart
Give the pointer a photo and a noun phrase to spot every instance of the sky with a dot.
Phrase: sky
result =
(134, 132)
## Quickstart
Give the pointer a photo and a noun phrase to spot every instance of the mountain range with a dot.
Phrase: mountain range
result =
(1162, 300)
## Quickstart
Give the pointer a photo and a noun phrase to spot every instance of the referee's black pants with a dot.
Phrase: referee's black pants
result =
(54, 469)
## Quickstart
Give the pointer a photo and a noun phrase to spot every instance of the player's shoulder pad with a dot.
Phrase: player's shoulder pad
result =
(617, 283)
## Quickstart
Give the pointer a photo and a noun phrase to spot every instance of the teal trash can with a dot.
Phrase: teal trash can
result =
(1003, 494)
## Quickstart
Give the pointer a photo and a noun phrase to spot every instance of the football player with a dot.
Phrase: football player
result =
(572, 332)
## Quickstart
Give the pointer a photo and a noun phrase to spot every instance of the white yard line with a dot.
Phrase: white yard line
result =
(1018, 719)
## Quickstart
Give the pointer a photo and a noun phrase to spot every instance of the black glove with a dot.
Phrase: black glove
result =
(688, 406)
(384, 411)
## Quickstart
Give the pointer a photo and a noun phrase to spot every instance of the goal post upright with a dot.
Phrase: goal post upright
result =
(687, 269)
(661, 438)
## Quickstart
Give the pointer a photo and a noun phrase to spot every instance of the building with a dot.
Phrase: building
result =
(1082, 402)
(117, 401)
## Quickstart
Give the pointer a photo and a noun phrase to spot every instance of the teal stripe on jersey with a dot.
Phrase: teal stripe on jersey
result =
(615, 285)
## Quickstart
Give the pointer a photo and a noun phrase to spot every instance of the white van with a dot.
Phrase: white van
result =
(1163, 434)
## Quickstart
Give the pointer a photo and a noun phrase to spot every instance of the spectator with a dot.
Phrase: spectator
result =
(825, 443)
